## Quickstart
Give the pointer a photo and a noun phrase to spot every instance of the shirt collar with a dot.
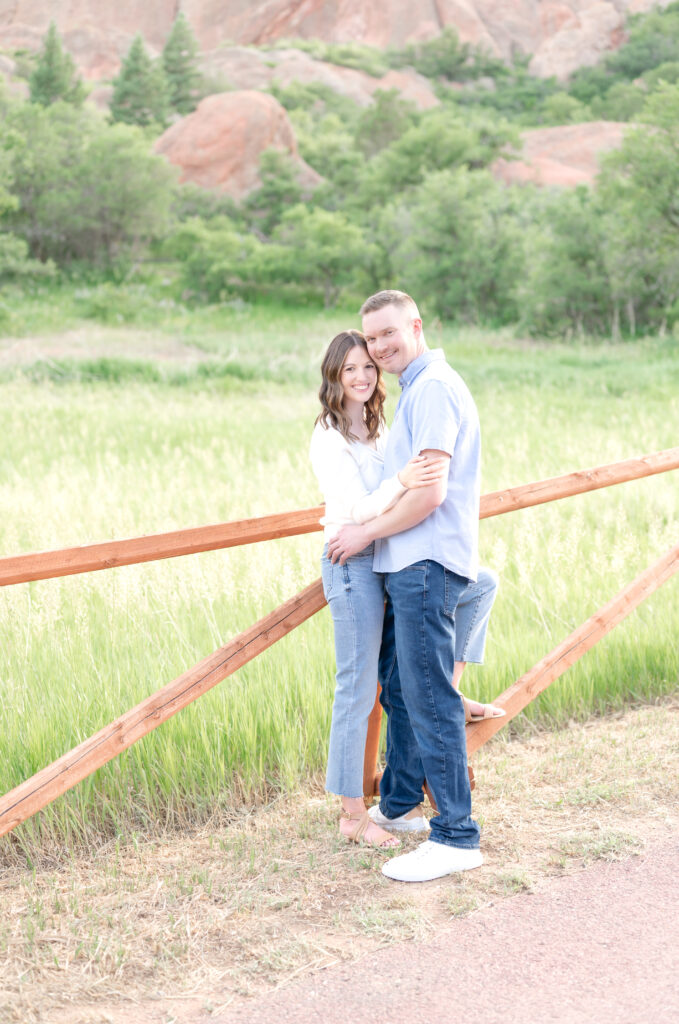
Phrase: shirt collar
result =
(411, 371)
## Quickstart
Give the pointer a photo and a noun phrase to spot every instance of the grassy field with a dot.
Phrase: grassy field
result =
(113, 431)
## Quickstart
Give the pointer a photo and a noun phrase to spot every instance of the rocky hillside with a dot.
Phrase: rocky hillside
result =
(561, 35)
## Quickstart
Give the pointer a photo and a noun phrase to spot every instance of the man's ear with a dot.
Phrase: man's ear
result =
(417, 327)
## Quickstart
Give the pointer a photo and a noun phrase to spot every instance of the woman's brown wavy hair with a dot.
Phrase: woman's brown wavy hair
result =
(331, 391)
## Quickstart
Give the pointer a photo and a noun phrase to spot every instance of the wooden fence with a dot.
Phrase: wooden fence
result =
(64, 773)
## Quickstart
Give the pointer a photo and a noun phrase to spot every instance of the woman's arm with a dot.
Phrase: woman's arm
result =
(418, 472)
(339, 475)
(415, 506)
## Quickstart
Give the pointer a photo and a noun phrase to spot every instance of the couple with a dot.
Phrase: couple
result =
(401, 523)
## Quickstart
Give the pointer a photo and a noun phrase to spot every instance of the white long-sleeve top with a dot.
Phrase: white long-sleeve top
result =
(350, 475)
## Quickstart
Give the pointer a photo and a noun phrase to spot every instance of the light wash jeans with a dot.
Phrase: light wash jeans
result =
(355, 596)
(425, 725)
(472, 615)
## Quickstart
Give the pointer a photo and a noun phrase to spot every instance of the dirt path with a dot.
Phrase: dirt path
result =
(267, 916)
(601, 946)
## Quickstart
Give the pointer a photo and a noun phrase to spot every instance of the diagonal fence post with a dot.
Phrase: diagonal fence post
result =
(554, 664)
(34, 794)
(38, 791)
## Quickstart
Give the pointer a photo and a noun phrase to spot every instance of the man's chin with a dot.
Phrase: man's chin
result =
(389, 366)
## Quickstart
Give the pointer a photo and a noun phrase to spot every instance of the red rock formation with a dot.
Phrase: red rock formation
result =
(218, 145)
(561, 34)
(241, 68)
(564, 156)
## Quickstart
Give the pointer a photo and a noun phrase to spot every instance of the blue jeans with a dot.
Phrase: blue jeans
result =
(472, 615)
(426, 727)
(355, 595)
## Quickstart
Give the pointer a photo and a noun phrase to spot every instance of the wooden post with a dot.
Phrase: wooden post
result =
(371, 777)
(554, 664)
(63, 774)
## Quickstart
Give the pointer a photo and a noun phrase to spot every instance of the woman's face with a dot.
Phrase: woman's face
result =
(358, 376)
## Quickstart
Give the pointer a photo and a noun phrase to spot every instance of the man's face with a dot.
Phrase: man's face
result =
(394, 338)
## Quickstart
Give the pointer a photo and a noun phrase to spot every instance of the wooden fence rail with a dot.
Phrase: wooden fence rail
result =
(64, 773)
(554, 664)
(38, 791)
(42, 565)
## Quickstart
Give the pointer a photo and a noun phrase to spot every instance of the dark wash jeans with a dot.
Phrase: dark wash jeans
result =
(425, 727)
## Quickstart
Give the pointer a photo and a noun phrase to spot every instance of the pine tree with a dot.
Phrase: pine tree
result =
(140, 94)
(54, 77)
(180, 60)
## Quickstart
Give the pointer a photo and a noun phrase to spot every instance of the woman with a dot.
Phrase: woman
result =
(347, 454)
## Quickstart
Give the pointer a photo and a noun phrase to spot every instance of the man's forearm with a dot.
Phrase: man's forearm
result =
(410, 510)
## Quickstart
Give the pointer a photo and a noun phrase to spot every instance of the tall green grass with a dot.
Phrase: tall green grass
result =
(89, 458)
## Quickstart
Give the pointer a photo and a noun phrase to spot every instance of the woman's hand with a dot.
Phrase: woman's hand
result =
(422, 471)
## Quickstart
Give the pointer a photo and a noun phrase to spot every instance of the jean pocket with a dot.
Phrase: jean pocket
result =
(416, 567)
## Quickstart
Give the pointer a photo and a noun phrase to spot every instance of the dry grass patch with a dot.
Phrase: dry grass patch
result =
(158, 929)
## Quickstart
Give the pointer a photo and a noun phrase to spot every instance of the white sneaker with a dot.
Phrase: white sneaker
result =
(431, 860)
(413, 821)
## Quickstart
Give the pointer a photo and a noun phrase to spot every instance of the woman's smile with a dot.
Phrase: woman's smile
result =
(359, 375)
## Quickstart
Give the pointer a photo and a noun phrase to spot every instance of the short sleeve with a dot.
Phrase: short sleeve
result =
(435, 417)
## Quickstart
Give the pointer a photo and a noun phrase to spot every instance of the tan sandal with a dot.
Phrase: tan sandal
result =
(357, 833)
(489, 711)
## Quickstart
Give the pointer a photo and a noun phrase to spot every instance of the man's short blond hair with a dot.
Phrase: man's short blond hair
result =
(390, 297)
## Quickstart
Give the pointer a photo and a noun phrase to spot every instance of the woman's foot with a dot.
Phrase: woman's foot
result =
(357, 827)
(474, 711)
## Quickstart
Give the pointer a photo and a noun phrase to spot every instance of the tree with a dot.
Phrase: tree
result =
(84, 190)
(140, 92)
(180, 62)
(280, 189)
(566, 287)
(14, 260)
(54, 76)
(652, 40)
(459, 245)
(329, 148)
(442, 57)
(384, 121)
(639, 186)
(320, 248)
(563, 109)
(622, 102)
(440, 140)
(217, 259)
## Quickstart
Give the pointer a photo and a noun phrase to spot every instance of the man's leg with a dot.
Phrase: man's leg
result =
(424, 597)
(401, 784)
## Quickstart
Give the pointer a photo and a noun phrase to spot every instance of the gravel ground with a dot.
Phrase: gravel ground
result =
(601, 946)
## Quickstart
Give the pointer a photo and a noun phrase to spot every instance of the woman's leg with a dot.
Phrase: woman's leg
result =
(355, 596)
(471, 626)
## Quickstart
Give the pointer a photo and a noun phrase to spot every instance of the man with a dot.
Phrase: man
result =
(427, 547)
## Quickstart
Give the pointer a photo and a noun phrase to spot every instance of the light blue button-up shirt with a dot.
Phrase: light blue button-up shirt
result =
(436, 410)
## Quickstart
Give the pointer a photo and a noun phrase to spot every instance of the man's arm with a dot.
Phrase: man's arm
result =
(410, 510)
